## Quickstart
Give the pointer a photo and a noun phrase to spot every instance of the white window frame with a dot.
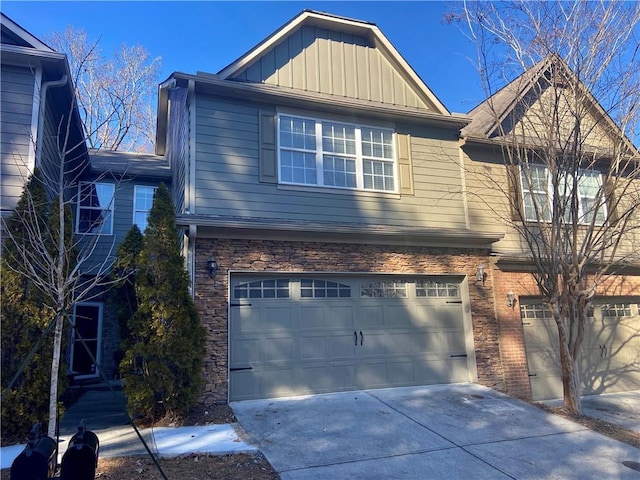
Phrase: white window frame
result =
(103, 227)
(583, 219)
(358, 156)
(136, 208)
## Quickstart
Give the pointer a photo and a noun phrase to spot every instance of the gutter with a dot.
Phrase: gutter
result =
(43, 104)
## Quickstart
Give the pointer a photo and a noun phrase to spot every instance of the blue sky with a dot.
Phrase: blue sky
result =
(207, 36)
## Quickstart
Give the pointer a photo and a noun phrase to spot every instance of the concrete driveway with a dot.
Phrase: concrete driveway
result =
(444, 431)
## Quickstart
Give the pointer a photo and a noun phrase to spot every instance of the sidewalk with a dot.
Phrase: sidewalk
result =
(104, 412)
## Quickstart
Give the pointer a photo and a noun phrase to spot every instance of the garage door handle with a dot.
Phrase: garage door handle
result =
(462, 355)
(361, 337)
(355, 334)
(240, 368)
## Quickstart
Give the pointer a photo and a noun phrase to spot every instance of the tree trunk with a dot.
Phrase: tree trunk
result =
(55, 371)
(570, 376)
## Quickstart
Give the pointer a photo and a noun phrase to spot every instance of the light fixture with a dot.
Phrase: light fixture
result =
(511, 299)
(212, 265)
(480, 274)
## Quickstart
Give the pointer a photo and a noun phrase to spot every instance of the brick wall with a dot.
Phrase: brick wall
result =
(262, 256)
(512, 344)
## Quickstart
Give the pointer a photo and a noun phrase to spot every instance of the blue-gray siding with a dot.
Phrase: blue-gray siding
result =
(227, 177)
(16, 105)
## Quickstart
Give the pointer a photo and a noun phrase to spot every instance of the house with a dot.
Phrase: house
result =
(329, 239)
(109, 191)
(504, 197)
(334, 235)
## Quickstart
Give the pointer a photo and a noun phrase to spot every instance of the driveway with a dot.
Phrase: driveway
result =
(444, 431)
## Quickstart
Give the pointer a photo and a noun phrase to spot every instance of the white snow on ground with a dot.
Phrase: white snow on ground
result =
(169, 442)
(216, 439)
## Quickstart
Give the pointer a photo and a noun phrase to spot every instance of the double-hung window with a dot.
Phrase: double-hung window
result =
(334, 154)
(142, 203)
(95, 208)
(537, 195)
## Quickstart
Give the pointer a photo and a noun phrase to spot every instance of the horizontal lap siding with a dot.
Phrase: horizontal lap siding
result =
(227, 178)
(16, 105)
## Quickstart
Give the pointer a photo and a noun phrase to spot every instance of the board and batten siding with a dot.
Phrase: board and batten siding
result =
(336, 63)
(228, 177)
(16, 106)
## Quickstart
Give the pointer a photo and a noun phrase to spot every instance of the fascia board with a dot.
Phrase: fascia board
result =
(24, 35)
(290, 97)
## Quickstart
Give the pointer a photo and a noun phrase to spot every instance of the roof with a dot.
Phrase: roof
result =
(129, 164)
(506, 102)
(21, 48)
(224, 82)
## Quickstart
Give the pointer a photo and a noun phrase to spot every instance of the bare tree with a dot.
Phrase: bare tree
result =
(563, 86)
(49, 254)
(115, 93)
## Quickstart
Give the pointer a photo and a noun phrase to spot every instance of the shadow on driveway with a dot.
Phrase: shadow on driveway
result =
(443, 431)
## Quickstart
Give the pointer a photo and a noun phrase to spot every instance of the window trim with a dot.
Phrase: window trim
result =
(136, 210)
(583, 173)
(110, 207)
(319, 154)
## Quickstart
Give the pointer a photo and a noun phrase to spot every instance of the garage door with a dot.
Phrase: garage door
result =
(312, 334)
(610, 360)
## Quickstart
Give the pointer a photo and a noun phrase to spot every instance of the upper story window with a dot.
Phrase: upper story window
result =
(537, 195)
(95, 208)
(338, 155)
(142, 203)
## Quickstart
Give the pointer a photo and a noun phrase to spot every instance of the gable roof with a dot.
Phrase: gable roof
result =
(14, 34)
(359, 28)
(511, 101)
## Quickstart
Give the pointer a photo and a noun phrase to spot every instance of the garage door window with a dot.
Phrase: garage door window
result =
(616, 309)
(390, 289)
(323, 289)
(535, 310)
(274, 288)
(436, 289)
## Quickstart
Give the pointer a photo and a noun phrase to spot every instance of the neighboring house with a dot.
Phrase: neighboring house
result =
(36, 99)
(528, 334)
(109, 190)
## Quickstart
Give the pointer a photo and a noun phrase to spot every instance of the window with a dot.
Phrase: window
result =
(616, 310)
(535, 310)
(323, 289)
(262, 289)
(390, 289)
(95, 208)
(537, 199)
(426, 288)
(337, 155)
(142, 203)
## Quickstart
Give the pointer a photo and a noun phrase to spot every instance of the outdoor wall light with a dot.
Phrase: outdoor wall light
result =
(481, 275)
(212, 265)
(511, 299)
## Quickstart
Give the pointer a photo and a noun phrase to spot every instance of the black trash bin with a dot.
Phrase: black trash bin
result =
(81, 458)
(38, 459)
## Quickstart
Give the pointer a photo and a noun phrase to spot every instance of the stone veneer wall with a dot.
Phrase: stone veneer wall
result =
(512, 344)
(267, 255)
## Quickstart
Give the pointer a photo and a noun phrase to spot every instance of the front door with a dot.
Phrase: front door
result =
(85, 346)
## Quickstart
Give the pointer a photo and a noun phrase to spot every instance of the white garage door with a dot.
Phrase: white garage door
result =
(610, 360)
(293, 335)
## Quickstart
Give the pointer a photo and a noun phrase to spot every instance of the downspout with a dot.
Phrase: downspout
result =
(43, 108)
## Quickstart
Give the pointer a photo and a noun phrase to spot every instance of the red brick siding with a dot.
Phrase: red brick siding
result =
(263, 255)
(512, 344)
